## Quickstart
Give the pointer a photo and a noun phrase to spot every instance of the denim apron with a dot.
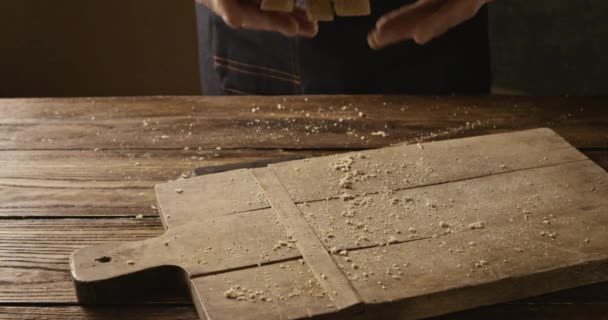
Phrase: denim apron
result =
(339, 61)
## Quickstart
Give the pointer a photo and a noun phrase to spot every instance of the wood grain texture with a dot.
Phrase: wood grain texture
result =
(98, 313)
(324, 269)
(34, 253)
(103, 183)
(47, 158)
(521, 185)
(523, 309)
(598, 156)
(313, 122)
(109, 183)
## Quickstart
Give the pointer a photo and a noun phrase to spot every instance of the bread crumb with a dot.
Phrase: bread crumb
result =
(392, 240)
(179, 191)
(283, 243)
(232, 293)
(139, 216)
(130, 262)
(380, 133)
(346, 196)
(477, 225)
(481, 263)
(346, 182)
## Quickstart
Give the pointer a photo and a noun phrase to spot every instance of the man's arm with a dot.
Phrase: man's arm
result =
(422, 21)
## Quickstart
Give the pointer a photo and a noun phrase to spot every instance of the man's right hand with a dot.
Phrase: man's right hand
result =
(248, 15)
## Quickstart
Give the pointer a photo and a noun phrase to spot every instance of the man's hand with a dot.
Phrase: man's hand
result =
(422, 21)
(247, 14)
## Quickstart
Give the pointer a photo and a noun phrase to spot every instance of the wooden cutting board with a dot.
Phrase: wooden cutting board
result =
(403, 232)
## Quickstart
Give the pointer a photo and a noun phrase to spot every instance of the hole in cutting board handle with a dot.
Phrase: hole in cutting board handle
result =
(104, 259)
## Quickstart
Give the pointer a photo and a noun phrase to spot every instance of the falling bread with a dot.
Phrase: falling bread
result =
(320, 10)
(278, 5)
(350, 8)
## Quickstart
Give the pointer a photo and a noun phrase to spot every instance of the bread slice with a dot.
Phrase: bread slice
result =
(278, 5)
(352, 7)
(320, 10)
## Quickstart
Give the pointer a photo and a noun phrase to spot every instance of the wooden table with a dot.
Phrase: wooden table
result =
(77, 172)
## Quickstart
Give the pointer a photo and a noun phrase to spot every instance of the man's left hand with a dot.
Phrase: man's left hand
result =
(422, 21)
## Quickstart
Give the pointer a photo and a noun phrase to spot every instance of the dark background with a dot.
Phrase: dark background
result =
(137, 47)
(550, 46)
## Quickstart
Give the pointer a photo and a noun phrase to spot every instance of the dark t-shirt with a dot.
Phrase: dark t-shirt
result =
(339, 60)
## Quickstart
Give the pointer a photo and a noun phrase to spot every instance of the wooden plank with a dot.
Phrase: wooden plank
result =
(97, 312)
(598, 156)
(302, 122)
(565, 311)
(290, 291)
(324, 269)
(47, 172)
(34, 255)
(54, 178)
(107, 197)
(415, 214)
(418, 165)
(104, 183)
(199, 247)
(518, 260)
(125, 165)
(553, 113)
(200, 198)
(561, 311)
(525, 189)
(39, 250)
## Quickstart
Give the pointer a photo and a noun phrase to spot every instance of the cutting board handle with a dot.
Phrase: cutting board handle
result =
(112, 260)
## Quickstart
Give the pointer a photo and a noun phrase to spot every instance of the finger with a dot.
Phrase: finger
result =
(306, 28)
(254, 19)
(399, 25)
(449, 15)
(228, 10)
(404, 11)
(238, 14)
